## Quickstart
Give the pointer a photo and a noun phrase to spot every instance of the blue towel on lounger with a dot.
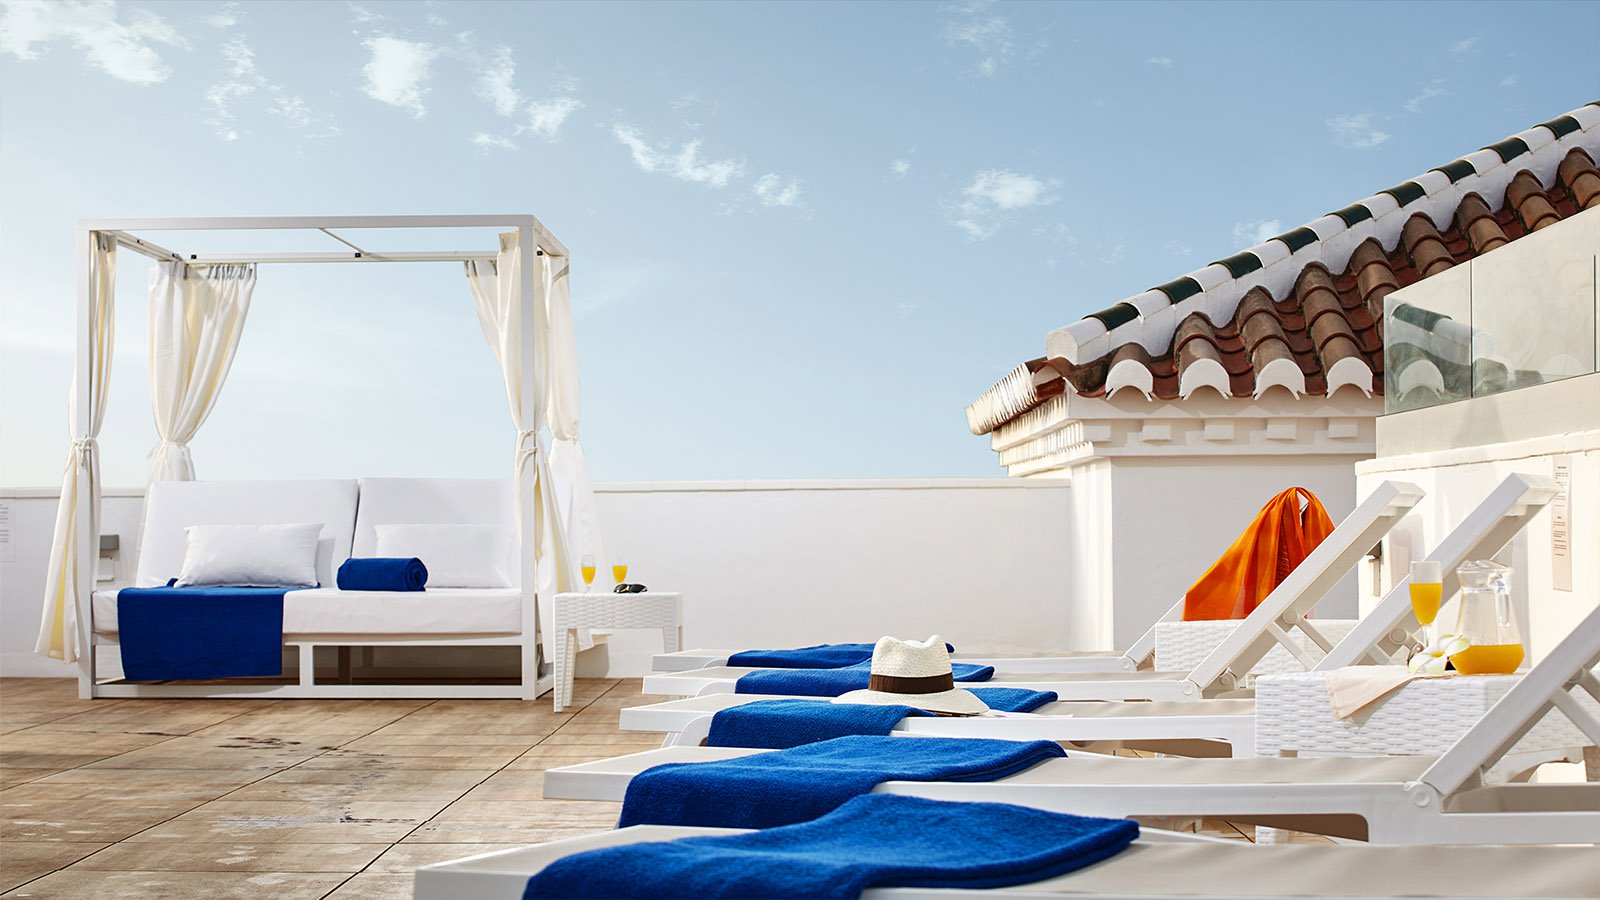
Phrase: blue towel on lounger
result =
(821, 656)
(831, 682)
(782, 787)
(781, 724)
(171, 633)
(876, 840)
(382, 574)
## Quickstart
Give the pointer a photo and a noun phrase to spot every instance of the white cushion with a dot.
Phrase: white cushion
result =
(462, 556)
(440, 501)
(253, 555)
(172, 506)
(447, 611)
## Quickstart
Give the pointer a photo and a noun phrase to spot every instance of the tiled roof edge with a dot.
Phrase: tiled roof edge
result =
(1151, 318)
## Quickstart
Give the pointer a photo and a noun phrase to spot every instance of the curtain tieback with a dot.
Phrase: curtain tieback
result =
(527, 446)
(181, 446)
(84, 449)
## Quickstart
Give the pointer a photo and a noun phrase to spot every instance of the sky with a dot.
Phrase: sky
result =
(804, 236)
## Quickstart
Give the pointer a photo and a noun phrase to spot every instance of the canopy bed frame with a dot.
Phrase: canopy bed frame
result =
(521, 295)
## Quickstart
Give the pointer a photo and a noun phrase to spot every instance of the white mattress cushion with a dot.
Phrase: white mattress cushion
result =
(326, 611)
(173, 506)
(436, 501)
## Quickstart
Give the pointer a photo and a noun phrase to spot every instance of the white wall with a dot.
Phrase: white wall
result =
(981, 561)
(1172, 517)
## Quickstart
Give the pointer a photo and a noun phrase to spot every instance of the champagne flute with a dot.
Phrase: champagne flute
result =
(588, 571)
(619, 571)
(1427, 593)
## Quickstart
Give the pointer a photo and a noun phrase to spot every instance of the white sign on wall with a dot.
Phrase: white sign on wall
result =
(1561, 526)
(8, 541)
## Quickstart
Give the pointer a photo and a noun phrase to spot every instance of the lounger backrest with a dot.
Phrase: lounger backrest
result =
(1550, 683)
(172, 506)
(1481, 534)
(436, 501)
(1289, 603)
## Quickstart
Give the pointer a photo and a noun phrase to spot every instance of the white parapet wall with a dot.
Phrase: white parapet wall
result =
(980, 561)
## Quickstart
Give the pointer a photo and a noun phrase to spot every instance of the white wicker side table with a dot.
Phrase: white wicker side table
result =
(655, 610)
(1422, 718)
(1180, 646)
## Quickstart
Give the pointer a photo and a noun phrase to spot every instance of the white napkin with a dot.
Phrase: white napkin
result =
(1354, 688)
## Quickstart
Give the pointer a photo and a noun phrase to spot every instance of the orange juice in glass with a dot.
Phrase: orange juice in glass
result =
(587, 568)
(619, 571)
(1427, 590)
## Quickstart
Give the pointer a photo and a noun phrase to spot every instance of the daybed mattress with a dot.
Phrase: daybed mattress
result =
(326, 611)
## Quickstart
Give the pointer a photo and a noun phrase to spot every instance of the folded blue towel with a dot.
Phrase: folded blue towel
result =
(821, 656)
(781, 724)
(876, 840)
(782, 787)
(382, 574)
(831, 682)
(200, 632)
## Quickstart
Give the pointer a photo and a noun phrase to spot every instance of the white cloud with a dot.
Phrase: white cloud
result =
(398, 71)
(546, 118)
(1429, 91)
(1178, 248)
(361, 15)
(684, 163)
(900, 167)
(1160, 61)
(1255, 232)
(771, 190)
(1116, 254)
(1464, 45)
(485, 141)
(905, 308)
(120, 48)
(1058, 233)
(1509, 81)
(972, 25)
(692, 100)
(495, 82)
(242, 81)
(225, 17)
(994, 197)
(1356, 132)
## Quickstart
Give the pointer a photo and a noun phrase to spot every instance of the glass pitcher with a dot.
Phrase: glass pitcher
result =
(1486, 621)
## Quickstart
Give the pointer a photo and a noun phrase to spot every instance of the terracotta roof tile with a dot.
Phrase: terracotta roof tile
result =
(1327, 318)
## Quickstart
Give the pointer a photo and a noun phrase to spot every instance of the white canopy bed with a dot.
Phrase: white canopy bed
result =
(198, 309)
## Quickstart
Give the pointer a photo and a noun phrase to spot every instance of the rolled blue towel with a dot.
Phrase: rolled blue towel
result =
(382, 574)
(781, 724)
(783, 787)
(820, 656)
(832, 682)
(875, 840)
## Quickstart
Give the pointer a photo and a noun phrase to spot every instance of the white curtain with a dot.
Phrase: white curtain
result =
(514, 338)
(196, 318)
(69, 573)
(574, 490)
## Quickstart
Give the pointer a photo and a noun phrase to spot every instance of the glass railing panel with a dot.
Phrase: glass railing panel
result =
(1427, 338)
(1533, 308)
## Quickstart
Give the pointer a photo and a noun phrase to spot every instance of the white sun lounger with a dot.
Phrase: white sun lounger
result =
(1158, 865)
(1481, 533)
(1383, 508)
(1398, 800)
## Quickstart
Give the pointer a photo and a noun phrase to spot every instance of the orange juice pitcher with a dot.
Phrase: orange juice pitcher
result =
(1487, 621)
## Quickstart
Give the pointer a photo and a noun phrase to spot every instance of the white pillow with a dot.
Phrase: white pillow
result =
(251, 555)
(462, 556)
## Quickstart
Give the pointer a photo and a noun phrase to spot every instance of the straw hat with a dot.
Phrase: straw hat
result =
(915, 673)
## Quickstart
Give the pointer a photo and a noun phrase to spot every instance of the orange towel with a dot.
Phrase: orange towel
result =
(1263, 556)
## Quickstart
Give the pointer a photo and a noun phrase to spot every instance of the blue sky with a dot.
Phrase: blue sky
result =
(804, 235)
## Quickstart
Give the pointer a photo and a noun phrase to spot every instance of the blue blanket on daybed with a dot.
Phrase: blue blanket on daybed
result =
(821, 656)
(171, 633)
(380, 573)
(782, 787)
(831, 682)
(780, 724)
(877, 840)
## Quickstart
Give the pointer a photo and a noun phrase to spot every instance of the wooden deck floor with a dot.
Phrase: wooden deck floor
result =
(285, 798)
